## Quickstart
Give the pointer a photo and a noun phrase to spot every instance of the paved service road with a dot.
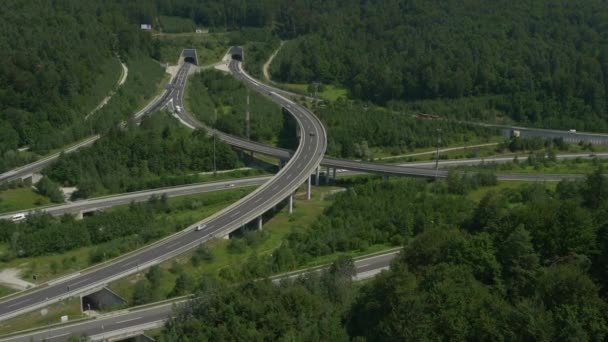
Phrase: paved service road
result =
(298, 170)
(38, 165)
(183, 190)
(138, 319)
(140, 196)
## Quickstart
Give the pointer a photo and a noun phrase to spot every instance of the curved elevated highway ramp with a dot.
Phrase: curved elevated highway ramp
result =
(298, 170)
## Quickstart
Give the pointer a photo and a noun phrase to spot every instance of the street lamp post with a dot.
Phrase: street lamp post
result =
(437, 154)
(214, 132)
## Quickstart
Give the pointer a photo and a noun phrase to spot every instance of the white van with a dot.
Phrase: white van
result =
(18, 217)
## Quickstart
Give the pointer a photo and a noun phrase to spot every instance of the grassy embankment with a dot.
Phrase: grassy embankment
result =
(210, 47)
(146, 79)
(225, 259)
(184, 210)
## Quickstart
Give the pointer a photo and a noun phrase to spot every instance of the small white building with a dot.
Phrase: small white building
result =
(146, 26)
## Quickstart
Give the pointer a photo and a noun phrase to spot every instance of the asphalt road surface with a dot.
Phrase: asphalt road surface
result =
(113, 324)
(42, 163)
(298, 169)
(99, 203)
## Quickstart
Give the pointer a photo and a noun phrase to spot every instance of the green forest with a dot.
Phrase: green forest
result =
(351, 133)
(541, 63)
(522, 263)
(220, 101)
(60, 59)
(124, 160)
(481, 260)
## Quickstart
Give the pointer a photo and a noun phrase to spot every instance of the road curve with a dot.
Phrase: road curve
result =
(38, 165)
(133, 320)
(306, 158)
(99, 203)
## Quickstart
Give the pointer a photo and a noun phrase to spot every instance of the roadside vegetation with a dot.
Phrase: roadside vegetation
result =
(210, 47)
(126, 160)
(146, 79)
(60, 62)
(503, 70)
(212, 93)
(492, 267)
(234, 260)
(19, 195)
(258, 44)
(353, 133)
(176, 24)
(49, 247)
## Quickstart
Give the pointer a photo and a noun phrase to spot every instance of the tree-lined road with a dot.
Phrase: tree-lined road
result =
(134, 320)
(298, 170)
(141, 196)
(302, 163)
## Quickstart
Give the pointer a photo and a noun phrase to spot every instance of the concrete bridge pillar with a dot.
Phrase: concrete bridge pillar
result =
(260, 222)
(334, 176)
(291, 203)
(327, 175)
(317, 175)
(308, 189)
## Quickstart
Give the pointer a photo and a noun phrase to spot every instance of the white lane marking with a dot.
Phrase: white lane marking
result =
(288, 176)
(129, 263)
(78, 282)
(128, 320)
(52, 337)
(257, 200)
(236, 213)
(21, 302)
(171, 245)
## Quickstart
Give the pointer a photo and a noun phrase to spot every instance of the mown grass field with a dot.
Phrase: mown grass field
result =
(210, 48)
(53, 266)
(20, 199)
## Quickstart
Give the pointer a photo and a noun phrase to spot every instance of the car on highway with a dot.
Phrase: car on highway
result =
(18, 217)
(572, 131)
(201, 227)
(231, 185)
(178, 108)
(312, 134)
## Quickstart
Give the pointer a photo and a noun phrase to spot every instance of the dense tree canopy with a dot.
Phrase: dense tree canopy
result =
(123, 159)
(541, 62)
(59, 59)
(524, 263)
(221, 102)
(351, 132)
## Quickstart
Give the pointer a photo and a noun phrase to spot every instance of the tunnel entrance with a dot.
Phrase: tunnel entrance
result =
(237, 53)
(190, 56)
(102, 299)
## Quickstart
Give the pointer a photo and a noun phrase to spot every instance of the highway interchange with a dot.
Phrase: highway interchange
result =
(113, 324)
(302, 163)
(307, 157)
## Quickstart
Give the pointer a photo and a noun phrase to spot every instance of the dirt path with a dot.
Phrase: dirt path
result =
(10, 278)
(267, 64)
(121, 81)
(125, 73)
(440, 151)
